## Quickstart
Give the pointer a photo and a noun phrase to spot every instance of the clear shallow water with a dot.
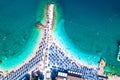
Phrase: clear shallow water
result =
(92, 28)
(18, 33)
(89, 29)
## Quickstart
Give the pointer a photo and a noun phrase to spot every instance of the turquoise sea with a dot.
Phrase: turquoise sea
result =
(88, 28)
(18, 33)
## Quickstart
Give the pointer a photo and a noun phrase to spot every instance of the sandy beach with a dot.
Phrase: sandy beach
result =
(68, 53)
(32, 54)
(54, 38)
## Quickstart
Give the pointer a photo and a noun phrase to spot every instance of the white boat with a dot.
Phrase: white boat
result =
(118, 57)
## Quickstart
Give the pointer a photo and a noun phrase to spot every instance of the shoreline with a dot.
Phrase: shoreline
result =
(63, 45)
(21, 58)
(60, 44)
(35, 48)
(30, 55)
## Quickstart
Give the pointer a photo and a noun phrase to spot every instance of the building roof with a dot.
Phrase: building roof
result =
(62, 74)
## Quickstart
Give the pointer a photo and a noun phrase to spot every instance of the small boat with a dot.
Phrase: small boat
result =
(118, 57)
